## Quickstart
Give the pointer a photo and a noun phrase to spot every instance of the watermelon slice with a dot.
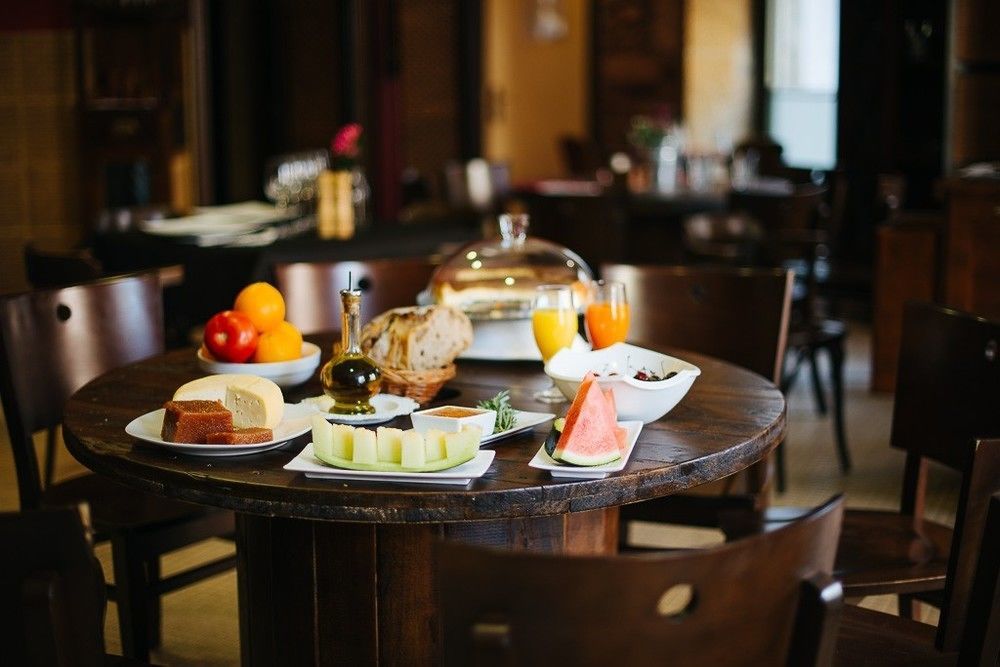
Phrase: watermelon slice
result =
(591, 435)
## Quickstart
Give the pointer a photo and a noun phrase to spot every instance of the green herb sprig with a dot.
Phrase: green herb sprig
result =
(506, 415)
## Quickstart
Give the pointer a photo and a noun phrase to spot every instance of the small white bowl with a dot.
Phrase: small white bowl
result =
(282, 373)
(615, 367)
(435, 418)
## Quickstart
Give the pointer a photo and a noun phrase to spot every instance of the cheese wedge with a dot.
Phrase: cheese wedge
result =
(253, 400)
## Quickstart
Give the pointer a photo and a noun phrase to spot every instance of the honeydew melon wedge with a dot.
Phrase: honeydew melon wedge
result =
(392, 450)
(433, 466)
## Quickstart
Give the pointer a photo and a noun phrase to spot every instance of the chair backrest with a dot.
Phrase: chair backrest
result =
(788, 218)
(947, 385)
(763, 600)
(592, 226)
(51, 590)
(45, 267)
(312, 289)
(981, 639)
(739, 315)
(52, 342)
(971, 527)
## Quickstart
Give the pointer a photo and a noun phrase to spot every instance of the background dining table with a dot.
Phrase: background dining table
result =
(342, 572)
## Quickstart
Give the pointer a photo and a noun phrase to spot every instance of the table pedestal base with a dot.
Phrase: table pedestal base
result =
(317, 592)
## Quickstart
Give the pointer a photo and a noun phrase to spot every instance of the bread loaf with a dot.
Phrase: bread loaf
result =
(417, 338)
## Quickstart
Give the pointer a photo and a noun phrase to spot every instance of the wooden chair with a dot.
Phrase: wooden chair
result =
(969, 628)
(594, 227)
(947, 394)
(793, 238)
(739, 315)
(52, 598)
(52, 342)
(753, 602)
(47, 267)
(312, 289)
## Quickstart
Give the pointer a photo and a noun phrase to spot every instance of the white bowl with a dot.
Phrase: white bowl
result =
(282, 373)
(615, 367)
(432, 418)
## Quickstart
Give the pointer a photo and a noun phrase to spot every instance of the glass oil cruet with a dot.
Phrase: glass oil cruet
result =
(351, 378)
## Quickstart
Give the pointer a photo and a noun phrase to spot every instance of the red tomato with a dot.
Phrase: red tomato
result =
(231, 336)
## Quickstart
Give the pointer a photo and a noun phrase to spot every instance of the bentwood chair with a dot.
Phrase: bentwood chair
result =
(766, 600)
(52, 342)
(947, 393)
(312, 289)
(738, 315)
(969, 628)
(52, 598)
(793, 237)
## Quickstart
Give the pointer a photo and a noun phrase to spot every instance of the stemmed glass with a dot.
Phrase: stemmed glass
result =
(607, 316)
(553, 321)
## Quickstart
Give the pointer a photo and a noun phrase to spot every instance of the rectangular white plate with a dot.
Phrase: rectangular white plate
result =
(543, 461)
(307, 463)
(525, 421)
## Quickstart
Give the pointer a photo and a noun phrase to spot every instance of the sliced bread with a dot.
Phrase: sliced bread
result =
(417, 338)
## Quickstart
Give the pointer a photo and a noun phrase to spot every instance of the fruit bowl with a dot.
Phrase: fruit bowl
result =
(282, 373)
(616, 367)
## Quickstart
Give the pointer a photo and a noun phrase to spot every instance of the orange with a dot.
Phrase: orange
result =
(283, 343)
(263, 304)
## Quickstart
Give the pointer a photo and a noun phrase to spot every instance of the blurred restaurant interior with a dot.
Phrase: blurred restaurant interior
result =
(169, 105)
(853, 143)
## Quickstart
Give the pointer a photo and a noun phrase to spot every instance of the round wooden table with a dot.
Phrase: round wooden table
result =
(342, 572)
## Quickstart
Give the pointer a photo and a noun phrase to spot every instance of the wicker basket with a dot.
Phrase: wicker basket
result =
(421, 386)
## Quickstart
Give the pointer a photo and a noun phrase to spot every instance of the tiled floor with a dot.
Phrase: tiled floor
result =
(200, 622)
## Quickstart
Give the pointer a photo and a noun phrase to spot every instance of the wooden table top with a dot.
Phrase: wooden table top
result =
(729, 419)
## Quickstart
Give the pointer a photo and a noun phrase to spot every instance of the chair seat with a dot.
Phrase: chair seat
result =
(818, 334)
(882, 552)
(869, 637)
(879, 552)
(114, 507)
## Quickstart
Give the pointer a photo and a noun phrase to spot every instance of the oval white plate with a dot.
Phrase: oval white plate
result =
(282, 373)
(295, 422)
(387, 407)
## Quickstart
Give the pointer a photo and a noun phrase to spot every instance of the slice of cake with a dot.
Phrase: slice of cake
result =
(192, 421)
(241, 436)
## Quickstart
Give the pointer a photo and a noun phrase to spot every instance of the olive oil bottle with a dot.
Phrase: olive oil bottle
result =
(351, 378)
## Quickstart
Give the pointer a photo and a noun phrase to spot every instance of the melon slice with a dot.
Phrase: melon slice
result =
(463, 448)
(591, 435)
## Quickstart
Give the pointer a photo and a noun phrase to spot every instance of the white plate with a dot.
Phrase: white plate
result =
(543, 461)
(307, 463)
(295, 422)
(282, 373)
(387, 407)
(525, 421)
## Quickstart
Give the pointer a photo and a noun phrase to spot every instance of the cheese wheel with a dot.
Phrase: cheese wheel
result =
(253, 400)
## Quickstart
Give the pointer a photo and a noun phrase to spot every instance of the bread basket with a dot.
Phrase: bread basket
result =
(421, 386)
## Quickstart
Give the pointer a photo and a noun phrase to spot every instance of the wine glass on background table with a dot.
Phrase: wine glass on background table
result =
(554, 323)
(608, 314)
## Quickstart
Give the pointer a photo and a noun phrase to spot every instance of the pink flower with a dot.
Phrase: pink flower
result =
(345, 143)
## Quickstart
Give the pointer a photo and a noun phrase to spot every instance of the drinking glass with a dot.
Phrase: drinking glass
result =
(607, 316)
(553, 321)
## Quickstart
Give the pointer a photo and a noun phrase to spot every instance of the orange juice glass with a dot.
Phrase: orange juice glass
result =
(607, 317)
(553, 322)
(554, 329)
